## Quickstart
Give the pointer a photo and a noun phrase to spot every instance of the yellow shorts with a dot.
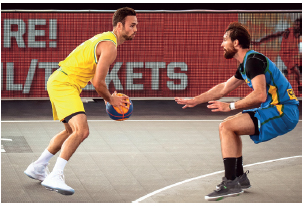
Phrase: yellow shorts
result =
(64, 95)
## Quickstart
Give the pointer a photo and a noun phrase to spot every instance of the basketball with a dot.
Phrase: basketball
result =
(115, 113)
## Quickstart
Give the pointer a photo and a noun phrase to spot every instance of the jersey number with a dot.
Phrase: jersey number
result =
(291, 94)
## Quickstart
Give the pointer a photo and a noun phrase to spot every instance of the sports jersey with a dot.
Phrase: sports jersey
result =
(279, 114)
(279, 90)
(81, 63)
(65, 84)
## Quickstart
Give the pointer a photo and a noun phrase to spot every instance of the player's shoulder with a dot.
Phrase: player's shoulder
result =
(107, 48)
(255, 56)
(255, 60)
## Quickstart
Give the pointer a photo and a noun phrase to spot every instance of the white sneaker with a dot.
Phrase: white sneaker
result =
(55, 181)
(37, 171)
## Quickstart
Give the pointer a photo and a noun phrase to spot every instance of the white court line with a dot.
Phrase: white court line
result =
(2, 149)
(135, 120)
(199, 177)
(6, 139)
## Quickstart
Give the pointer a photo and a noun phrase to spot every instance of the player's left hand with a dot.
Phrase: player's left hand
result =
(217, 106)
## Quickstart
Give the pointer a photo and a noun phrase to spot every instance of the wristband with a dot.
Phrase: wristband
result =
(232, 106)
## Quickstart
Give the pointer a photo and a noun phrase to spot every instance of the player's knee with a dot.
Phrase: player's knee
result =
(80, 133)
(84, 134)
(221, 126)
(224, 126)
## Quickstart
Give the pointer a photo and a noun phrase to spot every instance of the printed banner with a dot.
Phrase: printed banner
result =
(173, 54)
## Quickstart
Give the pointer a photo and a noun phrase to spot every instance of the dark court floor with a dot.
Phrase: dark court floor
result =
(162, 154)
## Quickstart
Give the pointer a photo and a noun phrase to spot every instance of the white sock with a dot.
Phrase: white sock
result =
(60, 164)
(44, 157)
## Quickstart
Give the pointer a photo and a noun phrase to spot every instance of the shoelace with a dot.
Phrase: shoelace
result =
(219, 186)
(47, 170)
(61, 176)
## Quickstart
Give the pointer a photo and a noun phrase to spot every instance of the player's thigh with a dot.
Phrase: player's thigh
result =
(241, 124)
(67, 102)
(64, 96)
(231, 117)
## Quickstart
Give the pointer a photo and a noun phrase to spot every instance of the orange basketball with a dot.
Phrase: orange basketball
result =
(115, 113)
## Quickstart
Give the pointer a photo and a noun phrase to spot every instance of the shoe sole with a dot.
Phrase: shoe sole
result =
(246, 187)
(222, 196)
(58, 190)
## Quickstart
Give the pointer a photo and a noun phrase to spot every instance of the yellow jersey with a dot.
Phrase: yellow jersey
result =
(80, 65)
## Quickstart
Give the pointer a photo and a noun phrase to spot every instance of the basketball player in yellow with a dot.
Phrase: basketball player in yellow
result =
(90, 61)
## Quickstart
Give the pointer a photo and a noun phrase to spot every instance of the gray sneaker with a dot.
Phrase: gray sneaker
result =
(227, 188)
(244, 181)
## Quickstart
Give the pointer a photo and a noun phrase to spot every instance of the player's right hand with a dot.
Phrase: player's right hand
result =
(186, 102)
(119, 101)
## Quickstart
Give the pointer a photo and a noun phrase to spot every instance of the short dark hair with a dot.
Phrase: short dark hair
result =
(120, 14)
(239, 32)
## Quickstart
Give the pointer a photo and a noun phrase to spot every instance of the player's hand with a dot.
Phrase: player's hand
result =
(119, 101)
(217, 106)
(186, 102)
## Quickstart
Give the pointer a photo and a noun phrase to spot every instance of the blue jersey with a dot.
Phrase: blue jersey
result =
(279, 90)
(279, 114)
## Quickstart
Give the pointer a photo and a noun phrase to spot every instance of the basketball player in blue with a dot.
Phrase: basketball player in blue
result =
(278, 112)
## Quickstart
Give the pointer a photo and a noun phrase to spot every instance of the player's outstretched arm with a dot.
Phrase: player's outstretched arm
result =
(214, 93)
(257, 96)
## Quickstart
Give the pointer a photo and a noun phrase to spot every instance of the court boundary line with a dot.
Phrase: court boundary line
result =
(135, 120)
(206, 175)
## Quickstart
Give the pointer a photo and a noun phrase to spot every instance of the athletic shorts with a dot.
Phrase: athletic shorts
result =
(64, 96)
(255, 121)
(272, 123)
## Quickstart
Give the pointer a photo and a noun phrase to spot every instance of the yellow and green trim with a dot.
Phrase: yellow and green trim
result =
(273, 90)
(95, 55)
(280, 109)
(61, 70)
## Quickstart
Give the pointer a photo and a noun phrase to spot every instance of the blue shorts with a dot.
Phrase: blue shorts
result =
(272, 122)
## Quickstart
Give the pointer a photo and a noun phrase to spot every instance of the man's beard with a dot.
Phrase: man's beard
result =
(126, 37)
(230, 53)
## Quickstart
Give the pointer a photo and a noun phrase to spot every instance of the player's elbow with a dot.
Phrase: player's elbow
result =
(262, 97)
(94, 84)
(98, 84)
